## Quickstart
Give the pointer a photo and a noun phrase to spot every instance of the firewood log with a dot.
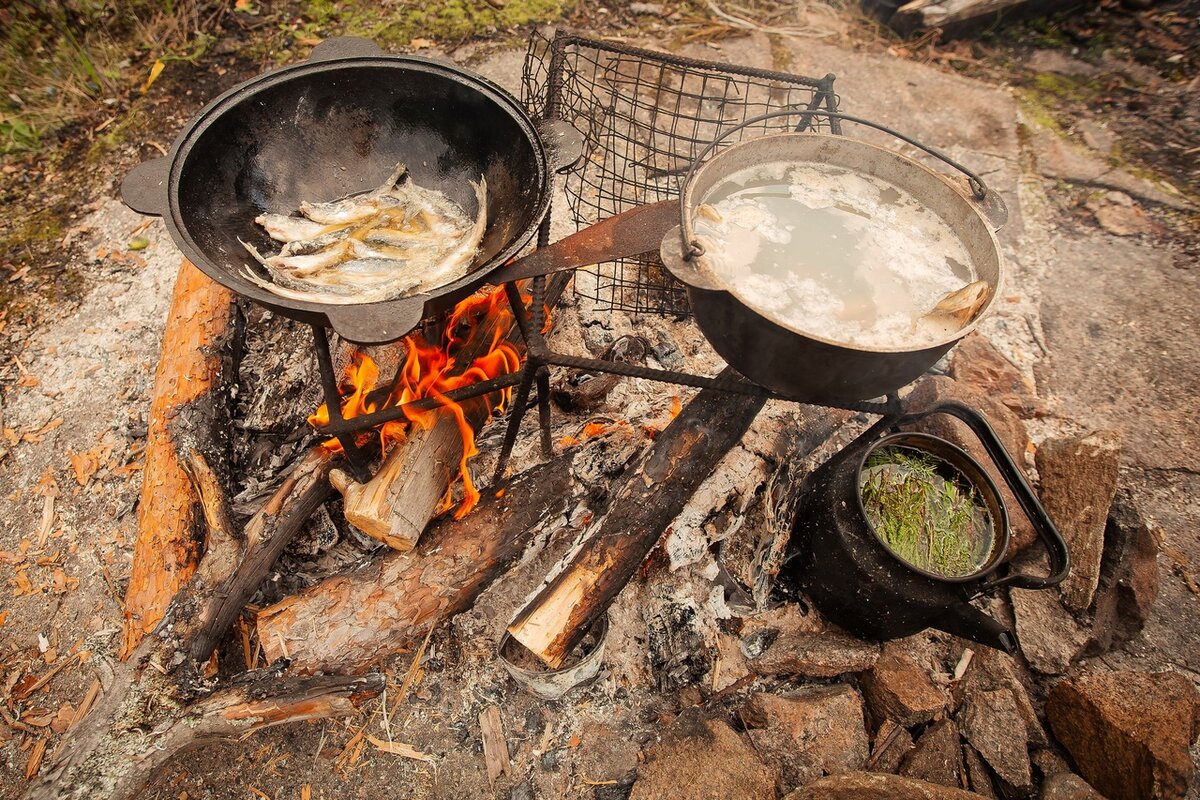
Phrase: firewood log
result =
(349, 622)
(186, 407)
(647, 498)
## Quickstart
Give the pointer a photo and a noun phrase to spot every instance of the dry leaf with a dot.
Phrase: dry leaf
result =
(306, 792)
(3, 617)
(399, 749)
(47, 518)
(418, 44)
(62, 720)
(155, 71)
(85, 465)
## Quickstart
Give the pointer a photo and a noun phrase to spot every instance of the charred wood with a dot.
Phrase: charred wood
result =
(648, 497)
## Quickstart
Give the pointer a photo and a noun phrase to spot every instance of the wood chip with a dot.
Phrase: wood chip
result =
(495, 745)
(35, 759)
(399, 749)
(47, 519)
(306, 792)
(86, 705)
(27, 687)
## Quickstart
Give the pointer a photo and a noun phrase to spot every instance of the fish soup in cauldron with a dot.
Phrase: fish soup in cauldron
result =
(840, 255)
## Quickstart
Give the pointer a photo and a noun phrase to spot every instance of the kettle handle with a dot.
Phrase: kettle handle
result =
(1052, 540)
(986, 200)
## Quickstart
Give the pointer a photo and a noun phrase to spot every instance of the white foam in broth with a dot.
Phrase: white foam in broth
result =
(833, 253)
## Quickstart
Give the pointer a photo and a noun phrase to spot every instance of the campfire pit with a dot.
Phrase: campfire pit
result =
(347, 622)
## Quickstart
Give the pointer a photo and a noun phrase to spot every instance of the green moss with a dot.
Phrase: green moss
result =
(1034, 109)
(446, 21)
(41, 226)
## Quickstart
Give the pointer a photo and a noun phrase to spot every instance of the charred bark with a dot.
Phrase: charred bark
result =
(649, 496)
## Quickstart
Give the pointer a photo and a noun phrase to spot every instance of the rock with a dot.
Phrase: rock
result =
(980, 365)
(1066, 786)
(1049, 636)
(1129, 579)
(809, 733)
(522, 791)
(1008, 426)
(1096, 135)
(616, 791)
(877, 786)
(1117, 214)
(1049, 763)
(1129, 732)
(646, 9)
(991, 670)
(1078, 483)
(937, 757)
(702, 759)
(896, 688)
(892, 743)
(979, 779)
(992, 723)
(815, 655)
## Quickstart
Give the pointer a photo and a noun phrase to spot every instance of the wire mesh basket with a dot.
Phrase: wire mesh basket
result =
(645, 116)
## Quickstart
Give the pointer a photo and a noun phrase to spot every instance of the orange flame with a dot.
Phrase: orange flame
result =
(431, 372)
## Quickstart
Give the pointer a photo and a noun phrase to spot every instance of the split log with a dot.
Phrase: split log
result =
(396, 505)
(186, 409)
(348, 622)
(649, 496)
(398, 502)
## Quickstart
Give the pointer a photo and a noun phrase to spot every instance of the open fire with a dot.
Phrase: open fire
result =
(474, 348)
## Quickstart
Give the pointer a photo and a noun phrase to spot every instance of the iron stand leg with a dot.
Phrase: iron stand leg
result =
(333, 403)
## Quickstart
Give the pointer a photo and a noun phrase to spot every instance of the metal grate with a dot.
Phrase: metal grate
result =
(645, 117)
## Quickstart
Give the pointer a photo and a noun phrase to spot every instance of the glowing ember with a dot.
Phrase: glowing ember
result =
(478, 324)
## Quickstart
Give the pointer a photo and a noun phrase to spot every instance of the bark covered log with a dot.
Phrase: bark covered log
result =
(349, 622)
(187, 408)
(648, 497)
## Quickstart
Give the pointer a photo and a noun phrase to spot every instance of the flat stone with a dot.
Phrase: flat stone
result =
(980, 365)
(810, 733)
(1078, 483)
(897, 688)
(891, 744)
(1009, 428)
(1121, 220)
(1060, 63)
(979, 779)
(937, 757)
(1129, 578)
(991, 670)
(877, 786)
(992, 723)
(702, 759)
(1049, 636)
(815, 655)
(1129, 732)
(1067, 786)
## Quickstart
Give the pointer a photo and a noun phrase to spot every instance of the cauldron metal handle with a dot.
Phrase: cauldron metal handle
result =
(979, 190)
(1056, 547)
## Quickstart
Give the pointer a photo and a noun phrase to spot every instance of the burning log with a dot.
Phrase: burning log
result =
(348, 622)
(186, 410)
(651, 494)
(413, 482)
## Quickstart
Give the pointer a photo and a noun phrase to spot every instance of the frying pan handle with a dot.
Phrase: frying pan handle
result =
(985, 199)
(377, 323)
(1052, 540)
(145, 187)
(630, 233)
(345, 47)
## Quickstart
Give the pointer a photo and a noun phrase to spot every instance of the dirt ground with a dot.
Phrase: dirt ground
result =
(1088, 125)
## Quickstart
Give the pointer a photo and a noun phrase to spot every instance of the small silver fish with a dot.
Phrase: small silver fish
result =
(355, 207)
(408, 239)
(284, 228)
